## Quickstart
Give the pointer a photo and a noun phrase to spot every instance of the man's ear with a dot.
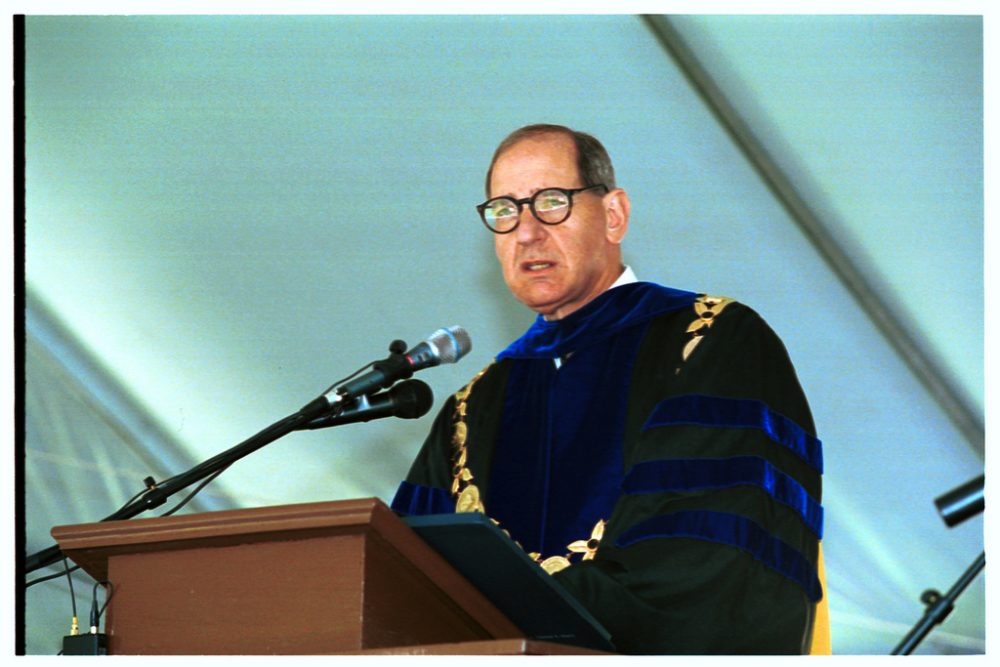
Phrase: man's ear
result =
(616, 209)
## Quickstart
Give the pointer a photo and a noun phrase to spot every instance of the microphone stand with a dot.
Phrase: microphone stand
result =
(938, 607)
(954, 507)
(156, 495)
(391, 368)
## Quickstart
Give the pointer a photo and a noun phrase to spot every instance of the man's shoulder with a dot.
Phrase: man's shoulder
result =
(703, 309)
(710, 317)
(490, 378)
(705, 305)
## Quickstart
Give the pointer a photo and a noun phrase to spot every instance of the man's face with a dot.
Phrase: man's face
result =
(557, 269)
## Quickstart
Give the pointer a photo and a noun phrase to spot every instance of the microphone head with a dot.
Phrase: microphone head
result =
(452, 343)
(411, 399)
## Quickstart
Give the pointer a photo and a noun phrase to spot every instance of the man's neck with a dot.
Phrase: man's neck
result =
(627, 276)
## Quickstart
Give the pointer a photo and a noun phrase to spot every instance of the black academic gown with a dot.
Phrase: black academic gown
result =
(667, 473)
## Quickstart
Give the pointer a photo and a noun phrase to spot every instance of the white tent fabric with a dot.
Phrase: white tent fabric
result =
(88, 450)
(224, 214)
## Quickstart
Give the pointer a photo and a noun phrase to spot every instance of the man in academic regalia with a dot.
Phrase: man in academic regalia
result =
(650, 447)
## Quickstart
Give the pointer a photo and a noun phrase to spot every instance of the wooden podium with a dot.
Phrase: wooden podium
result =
(317, 578)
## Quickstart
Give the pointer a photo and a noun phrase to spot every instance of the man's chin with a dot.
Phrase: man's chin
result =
(543, 305)
(550, 309)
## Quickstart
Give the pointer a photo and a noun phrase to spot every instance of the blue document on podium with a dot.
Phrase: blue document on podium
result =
(481, 552)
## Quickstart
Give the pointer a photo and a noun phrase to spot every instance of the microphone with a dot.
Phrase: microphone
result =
(444, 346)
(408, 400)
(963, 502)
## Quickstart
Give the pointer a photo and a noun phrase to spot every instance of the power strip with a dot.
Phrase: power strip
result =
(89, 644)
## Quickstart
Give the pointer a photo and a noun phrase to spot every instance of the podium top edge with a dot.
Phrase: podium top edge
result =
(333, 515)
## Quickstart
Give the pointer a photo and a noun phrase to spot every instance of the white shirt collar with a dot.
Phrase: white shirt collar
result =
(627, 276)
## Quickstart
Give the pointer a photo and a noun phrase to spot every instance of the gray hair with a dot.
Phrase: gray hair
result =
(592, 160)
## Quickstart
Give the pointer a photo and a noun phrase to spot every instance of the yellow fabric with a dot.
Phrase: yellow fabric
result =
(821, 644)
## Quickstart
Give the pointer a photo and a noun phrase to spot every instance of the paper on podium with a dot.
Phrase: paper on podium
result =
(515, 584)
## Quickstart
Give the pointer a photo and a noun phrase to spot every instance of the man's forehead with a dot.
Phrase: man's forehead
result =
(555, 142)
(550, 152)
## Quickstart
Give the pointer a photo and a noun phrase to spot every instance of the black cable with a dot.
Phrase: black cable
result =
(56, 575)
(108, 594)
(49, 577)
(278, 426)
(214, 461)
(134, 498)
(95, 612)
(75, 627)
(94, 616)
(72, 594)
(349, 377)
(201, 486)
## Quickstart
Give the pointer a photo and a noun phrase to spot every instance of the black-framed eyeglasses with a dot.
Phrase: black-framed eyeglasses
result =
(550, 206)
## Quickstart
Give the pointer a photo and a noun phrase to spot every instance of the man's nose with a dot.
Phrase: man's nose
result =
(529, 229)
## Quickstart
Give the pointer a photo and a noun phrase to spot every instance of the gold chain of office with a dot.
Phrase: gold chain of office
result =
(464, 490)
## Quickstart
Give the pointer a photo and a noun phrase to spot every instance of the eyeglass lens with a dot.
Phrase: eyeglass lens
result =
(551, 206)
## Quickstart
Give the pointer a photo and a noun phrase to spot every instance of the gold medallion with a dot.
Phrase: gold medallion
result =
(468, 500)
(554, 564)
(461, 433)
